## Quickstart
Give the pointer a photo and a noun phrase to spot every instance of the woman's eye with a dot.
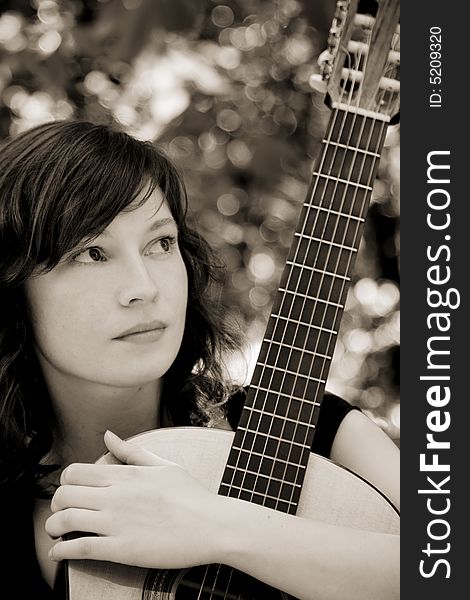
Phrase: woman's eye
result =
(90, 255)
(162, 245)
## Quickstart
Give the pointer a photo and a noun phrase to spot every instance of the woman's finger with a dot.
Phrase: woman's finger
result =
(88, 474)
(90, 548)
(75, 519)
(68, 496)
(94, 475)
(131, 453)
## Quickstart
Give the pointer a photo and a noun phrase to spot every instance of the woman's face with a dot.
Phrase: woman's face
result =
(113, 311)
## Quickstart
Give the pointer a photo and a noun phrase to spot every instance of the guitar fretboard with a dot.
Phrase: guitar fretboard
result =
(272, 443)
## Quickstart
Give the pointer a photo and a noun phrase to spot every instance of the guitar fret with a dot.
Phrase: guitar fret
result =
(345, 181)
(356, 110)
(261, 364)
(278, 393)
(309, 268)
(277, 459)
(334, 212)
(290, 346)
(327, 242)
(311, 298)
(270, 414)
(260, 475)
(352, 148)
(273, 437)
(255, 493)
(277, 316)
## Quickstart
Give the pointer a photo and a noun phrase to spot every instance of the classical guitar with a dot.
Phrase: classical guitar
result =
(268, 459)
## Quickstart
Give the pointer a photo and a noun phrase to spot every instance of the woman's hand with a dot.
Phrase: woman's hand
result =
(148, 512)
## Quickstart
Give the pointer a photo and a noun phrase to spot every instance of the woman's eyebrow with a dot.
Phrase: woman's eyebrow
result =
(161, 223)
(152, 227)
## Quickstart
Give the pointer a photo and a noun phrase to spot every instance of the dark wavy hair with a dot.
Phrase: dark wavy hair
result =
(62, 182)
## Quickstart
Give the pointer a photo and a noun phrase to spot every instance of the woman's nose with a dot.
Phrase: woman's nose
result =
(137, 284)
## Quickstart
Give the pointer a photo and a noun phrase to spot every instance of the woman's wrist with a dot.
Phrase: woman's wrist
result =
(237, 535)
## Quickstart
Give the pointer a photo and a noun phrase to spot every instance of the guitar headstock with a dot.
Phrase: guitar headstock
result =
(362, 63)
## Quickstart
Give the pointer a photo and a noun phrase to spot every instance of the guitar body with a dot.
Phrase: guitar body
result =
(330, 494)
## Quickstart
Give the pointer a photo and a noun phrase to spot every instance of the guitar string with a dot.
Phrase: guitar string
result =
(363, 162)
(379, 140)
(297, 466)
(319, 168)
(329, 249)
(349, 260)
(390, 68)
(276, 319)
(349, 256)
(262, 370)
(227, 588)
(298, 305)
(331, 194)
(372, 131)
(339, 259)
(201, 588)
(276, 326)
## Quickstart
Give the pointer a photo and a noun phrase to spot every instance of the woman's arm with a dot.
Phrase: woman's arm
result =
(364, 448)
(310, 559)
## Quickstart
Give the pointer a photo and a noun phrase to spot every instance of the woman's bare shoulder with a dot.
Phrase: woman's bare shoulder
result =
(360, 445)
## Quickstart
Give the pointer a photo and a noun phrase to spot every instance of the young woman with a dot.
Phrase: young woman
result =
(107, 330)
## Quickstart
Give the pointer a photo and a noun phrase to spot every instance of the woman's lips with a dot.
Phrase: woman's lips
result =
(143, 333)
(143, 337)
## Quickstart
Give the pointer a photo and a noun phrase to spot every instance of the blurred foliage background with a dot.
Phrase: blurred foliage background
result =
(226, 87)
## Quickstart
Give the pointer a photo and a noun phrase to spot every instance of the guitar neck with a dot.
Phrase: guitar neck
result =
(271, 447)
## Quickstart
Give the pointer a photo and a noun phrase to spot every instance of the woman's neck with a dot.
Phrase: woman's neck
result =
(85, 410)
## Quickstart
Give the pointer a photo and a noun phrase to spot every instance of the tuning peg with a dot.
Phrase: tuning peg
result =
(365, 21)
(362, 49)
(385, 83)
(318, 83)
(325, 61)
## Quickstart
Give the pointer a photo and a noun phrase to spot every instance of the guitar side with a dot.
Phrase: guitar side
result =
(330, 494)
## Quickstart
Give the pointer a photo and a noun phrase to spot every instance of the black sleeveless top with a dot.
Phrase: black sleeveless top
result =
(21, 571)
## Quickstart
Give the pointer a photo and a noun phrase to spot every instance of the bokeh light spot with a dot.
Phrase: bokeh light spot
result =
(49, 42)
(228, 120)
(259, 297)
(228, 204)
(96, 82)
(358, 340)
(222, 16)
(10, 26)
(48, 12)
(262, 266)
(239, 153)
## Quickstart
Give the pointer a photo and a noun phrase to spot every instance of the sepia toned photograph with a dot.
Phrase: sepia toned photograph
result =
(200, 299)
